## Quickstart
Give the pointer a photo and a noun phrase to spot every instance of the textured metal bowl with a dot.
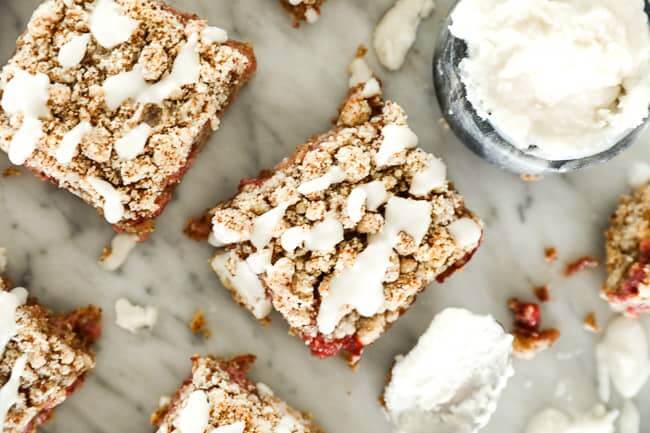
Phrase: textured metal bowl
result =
(479, 135)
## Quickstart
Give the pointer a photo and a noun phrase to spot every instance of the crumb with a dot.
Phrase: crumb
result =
(362, 50)
(585, 262)
(529, 338)
(531, 177)
(550, 254)
(198, 229)
(542, 293)
(590, 323)
(198, 325)
(11, 172)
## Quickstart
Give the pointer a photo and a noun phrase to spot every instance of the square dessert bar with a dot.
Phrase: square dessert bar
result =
(112, 99)
(340, 237)
(303, 10)
(44, 358)
(627, 244)
(218, 398)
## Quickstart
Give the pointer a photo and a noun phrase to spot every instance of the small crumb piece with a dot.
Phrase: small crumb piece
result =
(198, 229)
(542, 293)
(550, 254)
(115, 256)
(585, 262)
(134, 317)
(531, 177)
(11, 172)
(198, 325)
(529, 338)
(590, 323)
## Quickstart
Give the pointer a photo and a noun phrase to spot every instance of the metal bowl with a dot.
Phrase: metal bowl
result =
(479, 135)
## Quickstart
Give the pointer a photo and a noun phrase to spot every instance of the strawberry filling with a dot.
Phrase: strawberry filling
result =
(322, 348)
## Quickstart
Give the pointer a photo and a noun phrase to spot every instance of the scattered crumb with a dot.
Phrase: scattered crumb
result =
(531, 177)
(542, 293)
(550, 254)
(198, 324)
(134, 317)
(115, 256)
(529, 338)
(198, 229)
(11, 172)
(590, 323)
(362, 50)
(585, 262)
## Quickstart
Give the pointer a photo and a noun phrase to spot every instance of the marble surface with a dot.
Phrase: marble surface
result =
(54, 241)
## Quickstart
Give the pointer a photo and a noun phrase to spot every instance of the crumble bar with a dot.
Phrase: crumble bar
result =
(44, 357)
(341, 237)
(303, 10)
(219, 398)
(112, 100)
(627, 246)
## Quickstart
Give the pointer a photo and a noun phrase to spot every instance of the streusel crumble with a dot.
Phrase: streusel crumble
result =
(112, 99)
(627, 244)
(303, 10)
(342, 236)
(219, 398)
(44, 357)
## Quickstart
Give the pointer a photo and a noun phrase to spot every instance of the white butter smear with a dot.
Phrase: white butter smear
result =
(558, 79)
(360, 287)
(396, 32)
(27, 95)
(452, 379)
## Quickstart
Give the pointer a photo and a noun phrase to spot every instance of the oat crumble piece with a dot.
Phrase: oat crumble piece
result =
(219, 394)
(113, 99)
(627, 247)
(303, 10)
(341, 236)
(580, 264)
(11, 172)
(550, 254)
(590, 323)
(46, 359)
(198, 324)
(530, 339)
(542, 293)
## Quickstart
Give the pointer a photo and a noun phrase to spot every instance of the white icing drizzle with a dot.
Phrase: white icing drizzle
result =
(396, 139)
(333, 176)
(186, 70)
(260, 261)
(265, 224)
(322, 237)
(213, 35)
(109, 25)
(371, 88)
(9, 303)
(237, 427)
(134, 317)
(9, 392)
(360, 287)
(221, 235)
(245, 283)
(73, 51)
(431, 177)
(466, 233)
(372, 194)
(68, 147)
(133, 142)
(121, 245)
(287, 424)
(360, 72)
(113, 208)
(26, 94)
(311, 15)
(195, 416)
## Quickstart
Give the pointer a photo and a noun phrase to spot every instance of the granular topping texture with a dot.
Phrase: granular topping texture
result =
(112, 99)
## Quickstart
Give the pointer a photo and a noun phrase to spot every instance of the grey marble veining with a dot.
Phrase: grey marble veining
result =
(54, 240)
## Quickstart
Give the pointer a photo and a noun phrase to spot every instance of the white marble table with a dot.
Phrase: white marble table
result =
(54, 240)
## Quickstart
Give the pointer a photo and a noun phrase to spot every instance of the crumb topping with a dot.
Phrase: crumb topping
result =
(75, 128)
(530, 339)
(219, 395)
